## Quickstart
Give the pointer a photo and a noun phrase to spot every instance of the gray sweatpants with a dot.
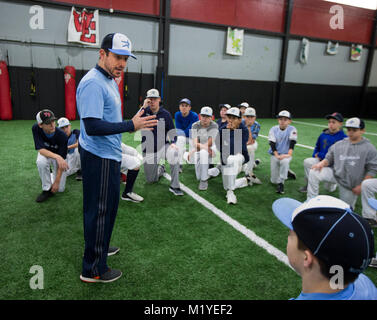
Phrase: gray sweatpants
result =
(327, 175)
(153, 170)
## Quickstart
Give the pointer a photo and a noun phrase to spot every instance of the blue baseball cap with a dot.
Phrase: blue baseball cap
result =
(185, 100)
(117, 43)
(330, 229)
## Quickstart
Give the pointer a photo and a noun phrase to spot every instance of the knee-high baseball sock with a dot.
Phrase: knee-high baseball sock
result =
(131, 178)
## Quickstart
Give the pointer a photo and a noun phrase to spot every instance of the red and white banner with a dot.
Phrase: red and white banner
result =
(83, 27)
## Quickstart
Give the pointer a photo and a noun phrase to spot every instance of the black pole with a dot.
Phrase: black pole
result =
(166, 53)
(284, 54)
(368, 69)
(160, 54)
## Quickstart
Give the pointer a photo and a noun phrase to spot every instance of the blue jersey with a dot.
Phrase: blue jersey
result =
(325, 141)
(255, 128)
(361, 289)
(55, 142)
(72, 139)
(185, 123)
(233, 142)
(98, 97)
(282, 138)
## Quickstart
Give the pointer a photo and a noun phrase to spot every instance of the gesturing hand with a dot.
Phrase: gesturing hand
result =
(146, 123)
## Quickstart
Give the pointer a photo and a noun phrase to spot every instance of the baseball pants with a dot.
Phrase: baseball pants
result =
(308, 163)
(44, 164)
(230, 171)
(327, 175)
(248, 167)
(181, 144)
(152, 167)
(74, 163)
(131, 159)
(100, 205)
(279, 169)
(368, 190)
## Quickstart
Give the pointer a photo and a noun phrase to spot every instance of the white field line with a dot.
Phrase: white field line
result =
(297, 144)
(318, 125)
(236, 225)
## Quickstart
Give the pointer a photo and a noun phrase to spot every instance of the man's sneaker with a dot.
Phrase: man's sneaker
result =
(176, 191)
(291, 174)
(231, 197)
(372, 222)
(44, 196)
(255, 180)
(257, 162)
(304, 189)
(132, 196)
(112, 251)
(203, 185)
(109, 276)
(79, 175)
(373, 263)
(280, 188)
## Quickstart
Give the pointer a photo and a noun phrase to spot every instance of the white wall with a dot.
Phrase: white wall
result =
(323, 68)
(200, 52)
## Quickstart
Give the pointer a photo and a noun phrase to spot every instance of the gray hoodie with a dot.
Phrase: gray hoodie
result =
(352, 162)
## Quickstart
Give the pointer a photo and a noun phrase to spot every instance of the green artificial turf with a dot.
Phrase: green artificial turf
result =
(171, 247)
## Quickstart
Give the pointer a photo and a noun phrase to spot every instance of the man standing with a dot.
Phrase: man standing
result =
(160, 143)
(101, 124)
(51, 144)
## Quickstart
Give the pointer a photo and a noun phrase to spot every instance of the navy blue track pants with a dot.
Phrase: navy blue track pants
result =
(100, 181)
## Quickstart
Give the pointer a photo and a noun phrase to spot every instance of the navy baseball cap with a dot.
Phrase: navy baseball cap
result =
(335, 115)
(45, 116)
(330, 229)
(117, 43)
(185, 100)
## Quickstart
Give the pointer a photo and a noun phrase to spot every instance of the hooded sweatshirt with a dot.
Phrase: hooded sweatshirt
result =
(325, 141)
(352, 162)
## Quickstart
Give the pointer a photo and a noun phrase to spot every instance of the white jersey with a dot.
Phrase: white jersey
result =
(282, 138)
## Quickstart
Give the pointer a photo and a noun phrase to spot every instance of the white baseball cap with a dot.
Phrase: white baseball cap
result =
(355, 123)
(206, 111)
(63, 122)
(284, 113)
(234, 111)
(243, 104)
(250, 112)
(117, 43)
(153, 93)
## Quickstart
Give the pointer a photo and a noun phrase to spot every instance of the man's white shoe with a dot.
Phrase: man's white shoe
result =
(231, 197)
(132, 196)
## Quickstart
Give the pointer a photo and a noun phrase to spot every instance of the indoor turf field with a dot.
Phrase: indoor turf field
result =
(171, 247)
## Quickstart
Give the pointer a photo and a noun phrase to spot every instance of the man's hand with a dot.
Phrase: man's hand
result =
(144, 122)
(357, 190)
(320, 165)
(55, 186)
(62, 164)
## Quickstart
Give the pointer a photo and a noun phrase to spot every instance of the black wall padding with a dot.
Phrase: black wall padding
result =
(371, 103)
(50, 91)
(213, 91)
(316, 101)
